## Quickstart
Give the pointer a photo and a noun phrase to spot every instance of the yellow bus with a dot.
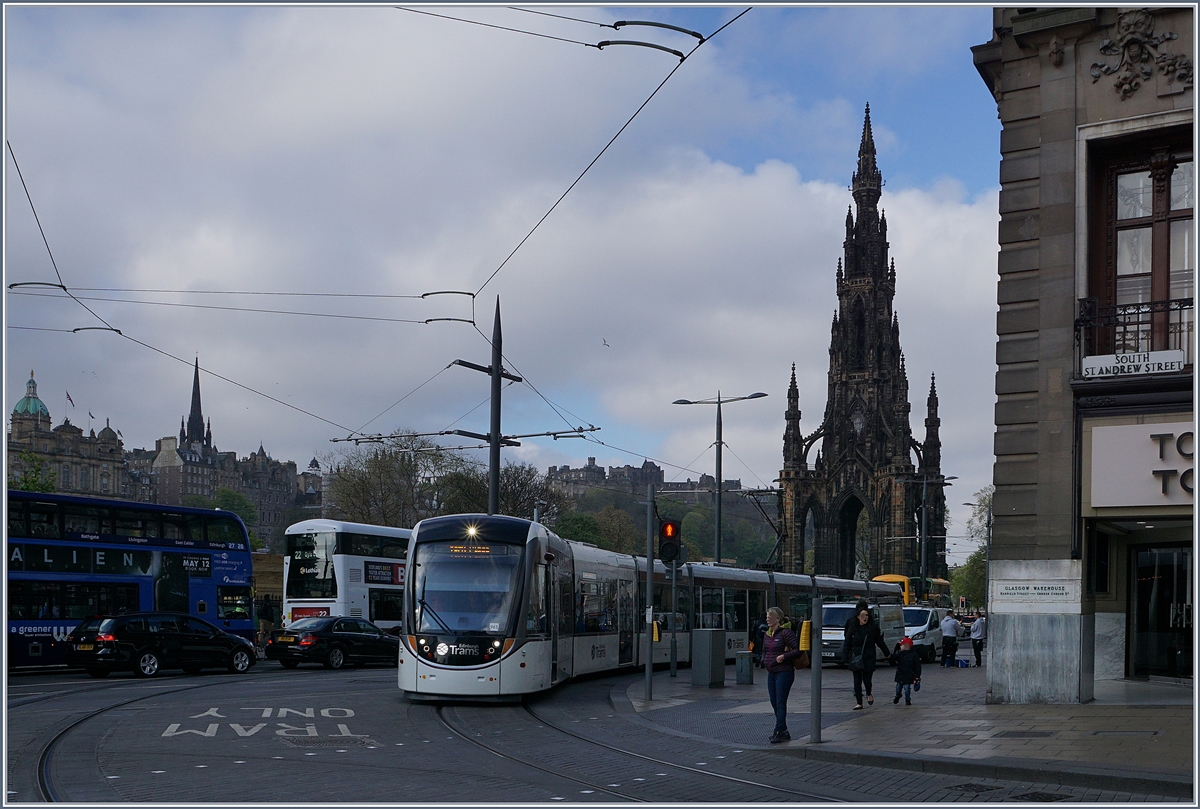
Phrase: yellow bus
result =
(937, 591)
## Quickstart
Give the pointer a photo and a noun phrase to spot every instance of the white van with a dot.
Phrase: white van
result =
(924, 626)
(889, 617)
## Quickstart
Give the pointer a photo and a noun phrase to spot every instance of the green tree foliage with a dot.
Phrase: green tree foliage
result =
(618, 531)
(968, 579)
(32, 474)
(578, 526)
(228, 499)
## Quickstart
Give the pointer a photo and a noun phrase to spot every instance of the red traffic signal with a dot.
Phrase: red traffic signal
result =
(668, 540)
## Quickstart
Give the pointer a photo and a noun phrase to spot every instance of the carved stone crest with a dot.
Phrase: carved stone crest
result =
(1138, 48)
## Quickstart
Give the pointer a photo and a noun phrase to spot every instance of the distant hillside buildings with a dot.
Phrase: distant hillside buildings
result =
(629, 479)
(98, 465)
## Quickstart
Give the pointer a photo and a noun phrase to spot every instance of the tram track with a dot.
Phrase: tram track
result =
(45, 758)
(610, 789)
(440, 712)
(664, 763)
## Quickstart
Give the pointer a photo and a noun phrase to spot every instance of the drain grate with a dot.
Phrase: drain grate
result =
(973, 788)
(340, 741)
(1025, 734)
(1038, 797)
(1126, 733)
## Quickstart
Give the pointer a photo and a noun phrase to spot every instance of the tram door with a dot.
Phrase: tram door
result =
(552, 610)
(626, 605)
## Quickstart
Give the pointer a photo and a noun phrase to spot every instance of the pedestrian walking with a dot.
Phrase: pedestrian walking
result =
(858, 650)
(756, 645)
(780, 648)
(951, 629)
(908, 671)
(978, 636)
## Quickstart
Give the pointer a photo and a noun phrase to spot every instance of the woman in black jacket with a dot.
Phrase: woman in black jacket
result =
(858, 651)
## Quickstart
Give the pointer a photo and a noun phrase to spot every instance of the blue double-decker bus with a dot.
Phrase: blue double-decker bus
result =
(74, 557)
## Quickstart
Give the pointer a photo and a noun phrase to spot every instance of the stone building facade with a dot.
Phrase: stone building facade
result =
(98, 465)
(577, 482)
(1092, 568)
(92, 465)
(854, 506)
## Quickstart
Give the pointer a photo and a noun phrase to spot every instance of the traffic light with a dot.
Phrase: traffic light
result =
(668, 540)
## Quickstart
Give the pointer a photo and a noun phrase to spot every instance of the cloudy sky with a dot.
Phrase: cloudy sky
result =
(343, 161)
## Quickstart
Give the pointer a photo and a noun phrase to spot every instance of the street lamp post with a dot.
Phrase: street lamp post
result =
(718, 401)
(944, 481)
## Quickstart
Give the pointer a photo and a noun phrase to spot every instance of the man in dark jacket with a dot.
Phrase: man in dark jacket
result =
(760, 632)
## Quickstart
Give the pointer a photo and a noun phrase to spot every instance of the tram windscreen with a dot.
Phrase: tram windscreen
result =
(466, 586)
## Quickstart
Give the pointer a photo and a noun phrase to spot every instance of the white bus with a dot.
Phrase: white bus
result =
(345, 569)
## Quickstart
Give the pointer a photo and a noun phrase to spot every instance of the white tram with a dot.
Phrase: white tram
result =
(346, 569)
(498, 607)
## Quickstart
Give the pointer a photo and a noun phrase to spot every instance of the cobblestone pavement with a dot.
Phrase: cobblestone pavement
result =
(1135, 736)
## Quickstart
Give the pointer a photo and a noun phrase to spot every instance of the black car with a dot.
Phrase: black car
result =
(333, 642)
(148, 642)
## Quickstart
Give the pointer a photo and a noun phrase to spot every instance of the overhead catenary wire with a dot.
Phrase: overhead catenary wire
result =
(250, 292)
(562, 17)
(118, 332)
(221, 308)
(499, 27)
(601, 154)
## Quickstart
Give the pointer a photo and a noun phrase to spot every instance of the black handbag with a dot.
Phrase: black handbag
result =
(856, 663)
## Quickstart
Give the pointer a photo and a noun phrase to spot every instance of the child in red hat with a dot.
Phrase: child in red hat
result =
(908, 671)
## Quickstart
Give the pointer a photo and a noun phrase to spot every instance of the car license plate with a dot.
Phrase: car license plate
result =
(84, 647)
(286, 639)
(828, 654)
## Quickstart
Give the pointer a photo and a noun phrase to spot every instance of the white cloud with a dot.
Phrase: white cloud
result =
(372, 151)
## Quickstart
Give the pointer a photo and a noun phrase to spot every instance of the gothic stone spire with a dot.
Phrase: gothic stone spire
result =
(793, 439)
(195, 422)
(931, 452)
(867, 181)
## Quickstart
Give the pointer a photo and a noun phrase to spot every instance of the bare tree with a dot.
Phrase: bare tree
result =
(392, 483)
(522, 489)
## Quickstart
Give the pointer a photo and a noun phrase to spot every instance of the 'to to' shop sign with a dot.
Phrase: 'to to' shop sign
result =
(1143, 465)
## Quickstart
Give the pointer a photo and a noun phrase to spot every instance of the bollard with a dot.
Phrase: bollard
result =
(814, 717)
(744, 666)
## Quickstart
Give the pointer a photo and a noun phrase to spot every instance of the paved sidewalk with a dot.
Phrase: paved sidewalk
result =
(1135, 736)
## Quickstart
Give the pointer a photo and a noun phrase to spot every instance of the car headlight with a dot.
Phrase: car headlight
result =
(919, 636)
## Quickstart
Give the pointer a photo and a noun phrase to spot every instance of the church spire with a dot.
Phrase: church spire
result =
(195, 421)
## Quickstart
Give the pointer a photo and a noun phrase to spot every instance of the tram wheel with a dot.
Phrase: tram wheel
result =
(239, 661)
(147, 664)
(335, 659)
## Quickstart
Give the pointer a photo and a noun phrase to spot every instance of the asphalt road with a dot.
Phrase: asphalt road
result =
(311, 735)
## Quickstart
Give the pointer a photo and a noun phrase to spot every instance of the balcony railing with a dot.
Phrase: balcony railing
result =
(1134, 328)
